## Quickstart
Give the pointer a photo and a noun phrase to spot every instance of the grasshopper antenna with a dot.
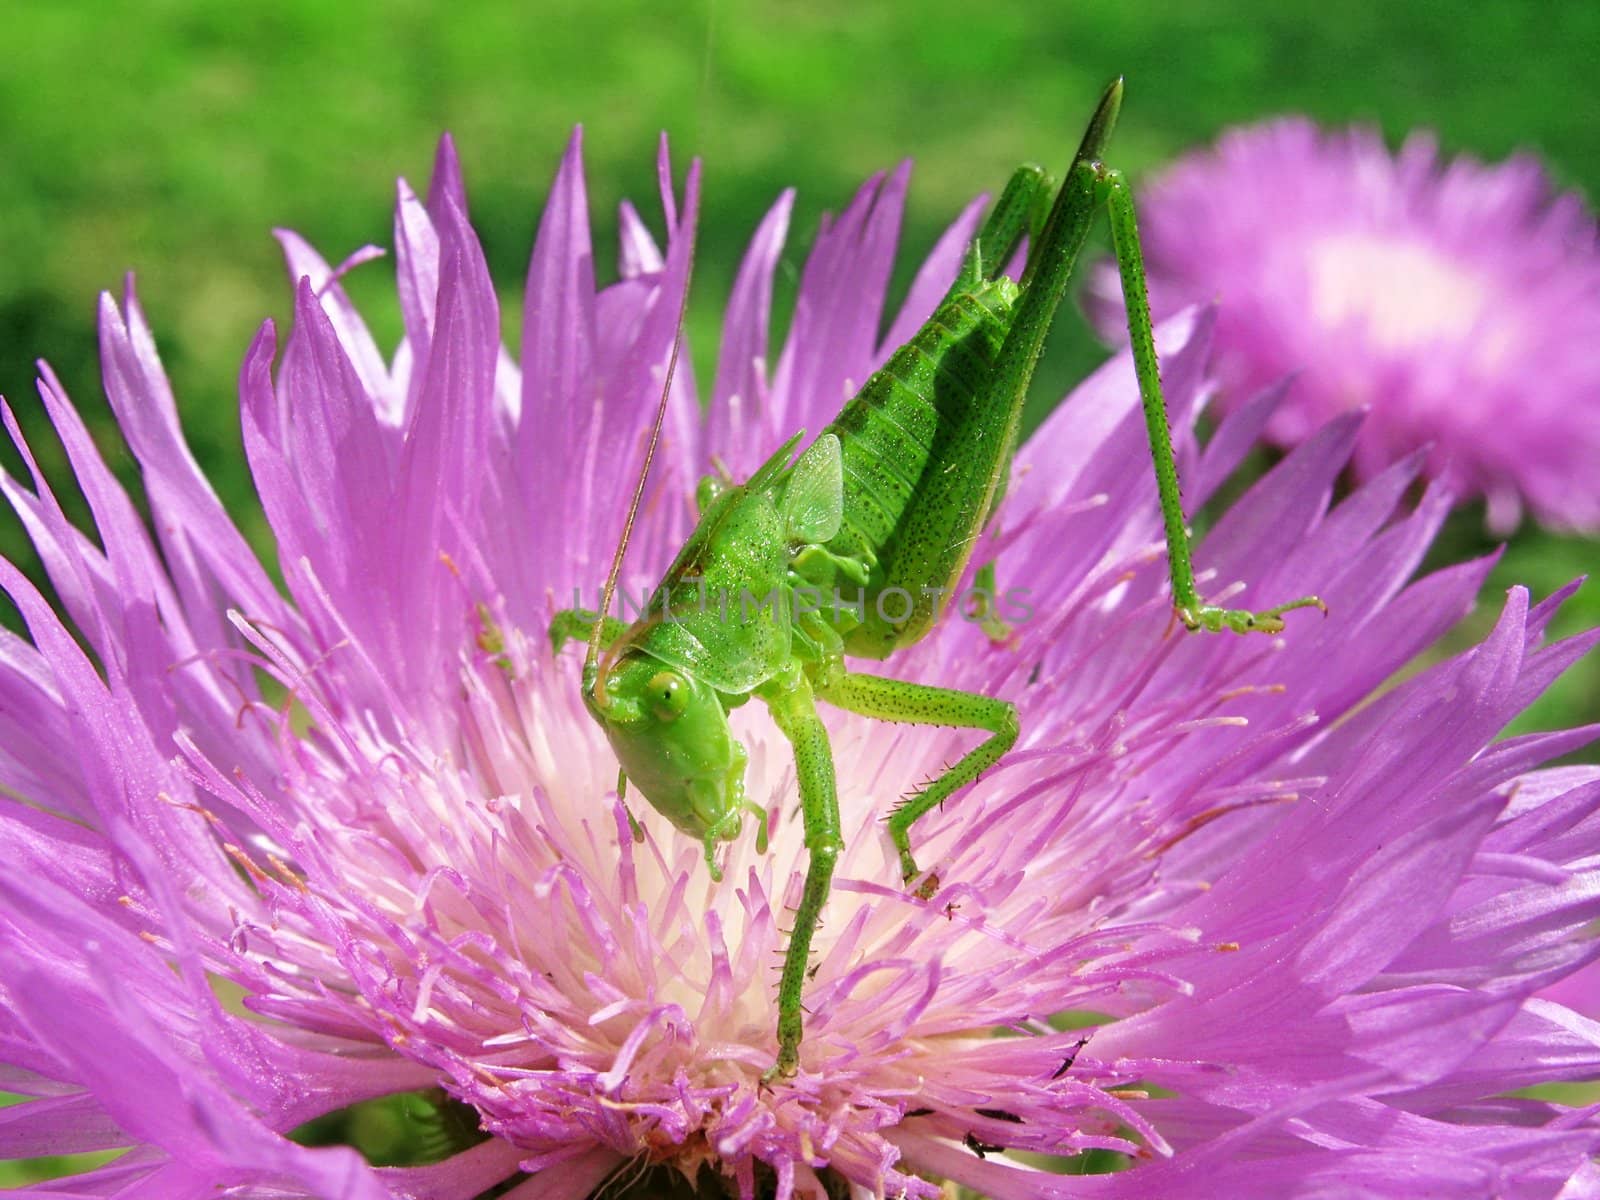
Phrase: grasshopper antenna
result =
(591, 660)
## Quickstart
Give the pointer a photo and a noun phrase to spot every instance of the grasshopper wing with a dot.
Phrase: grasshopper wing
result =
(813, 502)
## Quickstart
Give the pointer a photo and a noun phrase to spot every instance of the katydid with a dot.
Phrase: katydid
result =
(887, 501)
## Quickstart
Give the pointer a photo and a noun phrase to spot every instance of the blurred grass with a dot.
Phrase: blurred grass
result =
(169, 136)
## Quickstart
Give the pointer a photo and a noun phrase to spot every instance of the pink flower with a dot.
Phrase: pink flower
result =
(1298, 929)
(1457, 304)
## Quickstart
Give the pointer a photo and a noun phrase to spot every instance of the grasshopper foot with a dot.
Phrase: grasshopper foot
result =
(909, 870)
(1240, 620)
(929, 884)
(786, 1066)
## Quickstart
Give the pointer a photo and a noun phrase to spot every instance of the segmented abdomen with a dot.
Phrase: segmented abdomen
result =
(926, 445)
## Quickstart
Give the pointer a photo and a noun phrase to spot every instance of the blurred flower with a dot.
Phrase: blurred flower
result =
(1252, 931)
(1458, 303)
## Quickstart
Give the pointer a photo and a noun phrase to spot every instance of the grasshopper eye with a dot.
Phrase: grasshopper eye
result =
(669, 695)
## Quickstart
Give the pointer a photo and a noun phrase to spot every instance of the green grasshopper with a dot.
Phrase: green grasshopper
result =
(889, 499)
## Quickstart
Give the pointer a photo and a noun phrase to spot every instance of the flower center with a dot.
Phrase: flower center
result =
(1405, 293)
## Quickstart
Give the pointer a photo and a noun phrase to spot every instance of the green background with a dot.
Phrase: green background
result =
(167, 138)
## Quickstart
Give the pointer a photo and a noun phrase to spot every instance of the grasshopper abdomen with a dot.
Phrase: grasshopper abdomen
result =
(926, 450)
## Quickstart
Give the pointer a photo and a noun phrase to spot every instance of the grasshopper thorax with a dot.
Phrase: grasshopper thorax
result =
(670, 732)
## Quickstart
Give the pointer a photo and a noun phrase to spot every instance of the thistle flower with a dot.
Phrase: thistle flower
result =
(1247, 929)
(1457, 303)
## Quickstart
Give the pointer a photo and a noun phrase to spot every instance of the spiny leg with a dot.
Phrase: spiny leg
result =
(919, 704)
(1113, 188)
(795, 712)
(1044, 282)
(1024, 209)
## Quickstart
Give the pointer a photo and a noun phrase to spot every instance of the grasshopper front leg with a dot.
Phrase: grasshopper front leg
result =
(1090, 184)
(572, 624)
(790, 700)
(575, 624)
(919, 704)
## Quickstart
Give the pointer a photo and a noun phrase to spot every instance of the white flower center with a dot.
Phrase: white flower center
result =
(1406, 294)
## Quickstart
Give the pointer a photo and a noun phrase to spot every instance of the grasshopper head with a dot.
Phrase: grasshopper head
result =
(670, 733)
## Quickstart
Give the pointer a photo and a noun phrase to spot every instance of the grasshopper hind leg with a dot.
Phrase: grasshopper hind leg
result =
(1112, 187)
(1022, 211)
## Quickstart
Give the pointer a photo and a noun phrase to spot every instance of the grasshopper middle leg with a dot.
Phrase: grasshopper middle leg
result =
(919, 704)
